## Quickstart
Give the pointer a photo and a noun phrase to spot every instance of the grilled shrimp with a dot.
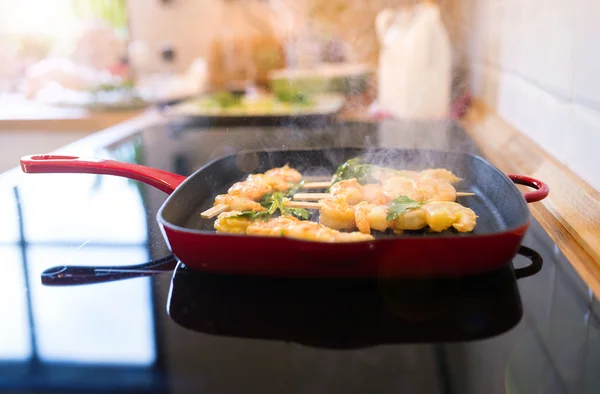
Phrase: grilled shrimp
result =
(370, 216)
(348, 189)
(271, 228)
(443, 215)
(353, 192)
(229, 222)
(337, 213)
(285, 226)
(419, 190)
(286, 173)
(411, 219)
(310, 231)
(382, 174)
(439, 174)
(275, 183)
(317, 232)
(237, 203)
(254, 188)
(401, 186)
(435, 190)
(374, 194)
(354, 236)
(257, 185)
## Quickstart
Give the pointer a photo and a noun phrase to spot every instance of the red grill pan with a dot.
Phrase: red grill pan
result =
(502, 209)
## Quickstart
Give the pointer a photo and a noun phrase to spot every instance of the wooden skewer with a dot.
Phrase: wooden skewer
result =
(316, 185)
(317, 178)
(214, 211)
(320, 196)
(311, 196)
(301, 204)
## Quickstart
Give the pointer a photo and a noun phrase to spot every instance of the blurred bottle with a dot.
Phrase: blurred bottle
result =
(415, 63)
(247, 46)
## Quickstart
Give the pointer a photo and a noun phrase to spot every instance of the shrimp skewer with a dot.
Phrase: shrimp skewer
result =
(439, 216)
(284, 226)
(244, 195)
(425, 190)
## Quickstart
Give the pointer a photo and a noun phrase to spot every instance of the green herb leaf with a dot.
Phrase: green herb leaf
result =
(253, 215)
(353, 168)
(299, 213)
(272, 202)
(294, 189)
(399, 205)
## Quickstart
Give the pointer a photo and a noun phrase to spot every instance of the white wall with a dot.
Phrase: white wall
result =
(538, 63)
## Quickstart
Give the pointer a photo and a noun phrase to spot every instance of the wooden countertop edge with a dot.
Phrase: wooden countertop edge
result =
(92, 121)
(570, 214)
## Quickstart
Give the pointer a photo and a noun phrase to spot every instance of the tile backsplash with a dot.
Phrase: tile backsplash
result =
(537, 63)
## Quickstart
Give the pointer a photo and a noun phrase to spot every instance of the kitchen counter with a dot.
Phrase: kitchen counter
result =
(180, 331)
(18, 114)
(570, 214)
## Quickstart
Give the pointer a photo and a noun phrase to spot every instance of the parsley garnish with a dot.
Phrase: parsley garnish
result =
(353, 168)
(274, 202)
(399, 205)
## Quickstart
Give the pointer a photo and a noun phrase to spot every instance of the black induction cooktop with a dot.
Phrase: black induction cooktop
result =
(171, 329)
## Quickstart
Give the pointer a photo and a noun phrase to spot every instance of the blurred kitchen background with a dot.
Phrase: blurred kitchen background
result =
(72, 67)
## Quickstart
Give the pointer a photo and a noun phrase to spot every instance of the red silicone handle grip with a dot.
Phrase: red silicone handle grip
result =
(39, 164)
(541, 192)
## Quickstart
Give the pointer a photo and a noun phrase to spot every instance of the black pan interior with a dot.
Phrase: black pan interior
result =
(498, 203)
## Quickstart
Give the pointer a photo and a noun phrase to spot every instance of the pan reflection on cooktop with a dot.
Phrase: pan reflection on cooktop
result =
(329, 313)
(347, 314)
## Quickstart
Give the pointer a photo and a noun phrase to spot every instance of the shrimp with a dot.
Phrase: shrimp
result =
(354, 236)
(237, 203)
(382, 174)
(411, 219)
(353, 192)
(254, 188)
(270, 228)
(316, 232)
(285, 226)
(443, 215)
(230, 222)
(257, 185)
(285, 173)
(435, 190)
(420, 190)
(440, 174)
(337, 213)
(310, 231)
(401, 186)
(349, 189)
(374, 194)
(370, 216)
(275, 183)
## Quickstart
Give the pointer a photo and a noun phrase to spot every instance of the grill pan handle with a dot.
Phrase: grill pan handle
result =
(44, 164)
(69, 275)
(541, 192)
(531, 269)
